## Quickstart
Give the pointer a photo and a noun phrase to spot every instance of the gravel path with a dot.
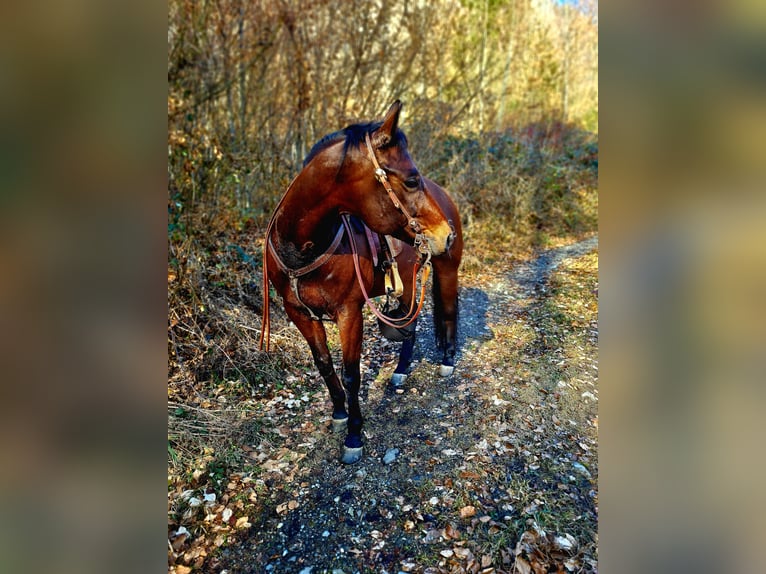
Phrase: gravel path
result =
(409, 504)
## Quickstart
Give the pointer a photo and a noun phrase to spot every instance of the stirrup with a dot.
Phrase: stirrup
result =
(393, 281)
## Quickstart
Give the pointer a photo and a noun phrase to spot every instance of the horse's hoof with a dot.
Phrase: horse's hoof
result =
(446, 370)
(339, 425)
(398, 379)
(351, 455)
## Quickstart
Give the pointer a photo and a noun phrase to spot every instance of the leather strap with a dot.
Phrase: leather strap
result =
(374, 243)
(316, 264)
(382, 177)
(413, 312)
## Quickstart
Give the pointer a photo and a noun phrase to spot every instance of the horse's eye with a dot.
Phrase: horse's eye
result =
(412, 183)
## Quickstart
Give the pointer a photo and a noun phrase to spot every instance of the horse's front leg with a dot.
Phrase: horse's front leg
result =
(350, 329)
(445, 297)
(316, 336)
(405, 359)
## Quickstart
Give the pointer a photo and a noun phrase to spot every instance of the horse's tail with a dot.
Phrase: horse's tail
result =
(265, 315)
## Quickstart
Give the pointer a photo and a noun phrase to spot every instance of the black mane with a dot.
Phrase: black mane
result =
(354, 136)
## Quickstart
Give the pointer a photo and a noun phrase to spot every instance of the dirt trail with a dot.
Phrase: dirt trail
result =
(471, 467)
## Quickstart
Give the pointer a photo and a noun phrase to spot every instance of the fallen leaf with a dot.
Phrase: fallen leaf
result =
(451, 532)
(567, 542)
(521, 566)
(572, 564)
(467, 511)
(178, 541)
(462, 552)
(242, 522)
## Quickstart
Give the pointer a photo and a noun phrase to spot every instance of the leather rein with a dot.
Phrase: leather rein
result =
(421, 244)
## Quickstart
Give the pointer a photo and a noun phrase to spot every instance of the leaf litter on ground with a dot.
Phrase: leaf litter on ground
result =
(495, 469)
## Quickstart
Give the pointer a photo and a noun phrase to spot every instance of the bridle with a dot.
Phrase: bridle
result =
(401, 322)
(420, 243)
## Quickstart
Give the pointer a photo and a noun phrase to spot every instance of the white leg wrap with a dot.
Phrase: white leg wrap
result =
(351, 455)
(339, 425)
(398, 379)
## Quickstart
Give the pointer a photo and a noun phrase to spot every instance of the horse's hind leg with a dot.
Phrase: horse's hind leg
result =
(446, 313)
(316, 336)
(405, 358)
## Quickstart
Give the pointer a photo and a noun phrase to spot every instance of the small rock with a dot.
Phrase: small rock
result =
(306, 570)
(325, 534)
(581, 469)
(390, 455)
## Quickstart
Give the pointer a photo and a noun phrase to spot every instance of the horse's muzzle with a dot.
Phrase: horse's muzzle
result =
(441, 238)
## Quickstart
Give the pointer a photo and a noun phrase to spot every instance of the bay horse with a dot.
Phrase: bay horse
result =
(319, 259)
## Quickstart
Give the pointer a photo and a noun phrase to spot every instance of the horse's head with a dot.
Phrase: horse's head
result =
(389, 193)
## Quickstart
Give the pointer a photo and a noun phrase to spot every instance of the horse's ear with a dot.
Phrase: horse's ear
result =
(386, 132)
